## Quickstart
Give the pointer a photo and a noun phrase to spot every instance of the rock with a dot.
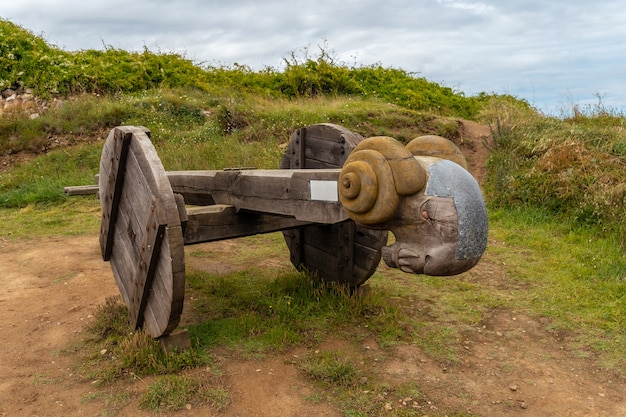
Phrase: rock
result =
(513, 387)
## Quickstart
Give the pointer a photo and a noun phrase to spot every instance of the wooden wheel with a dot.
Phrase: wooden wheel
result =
(345, 252)
(140, 231)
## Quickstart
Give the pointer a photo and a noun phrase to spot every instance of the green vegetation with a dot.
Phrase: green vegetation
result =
(575, 276)
(575, 167)
(555, 188)
(27, 60)
(256, 312)
(122, 352)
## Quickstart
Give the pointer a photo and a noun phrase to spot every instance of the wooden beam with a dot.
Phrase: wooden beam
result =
(219, 222)
(283, 192)
(112, 186)
(80, 190)
(150, 250)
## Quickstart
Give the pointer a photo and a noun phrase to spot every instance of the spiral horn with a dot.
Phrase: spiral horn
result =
(375, 175)
(437, 146)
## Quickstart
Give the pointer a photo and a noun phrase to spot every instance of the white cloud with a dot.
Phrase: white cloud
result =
(478, 8)
(541, 51)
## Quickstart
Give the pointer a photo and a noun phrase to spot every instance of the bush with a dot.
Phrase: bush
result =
(572, 167)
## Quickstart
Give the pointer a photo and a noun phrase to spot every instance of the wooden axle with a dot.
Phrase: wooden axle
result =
(306, 195)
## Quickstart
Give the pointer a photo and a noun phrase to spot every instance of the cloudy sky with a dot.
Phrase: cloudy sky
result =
(553, 53)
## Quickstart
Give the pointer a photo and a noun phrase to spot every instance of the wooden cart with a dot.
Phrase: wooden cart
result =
(319, 199)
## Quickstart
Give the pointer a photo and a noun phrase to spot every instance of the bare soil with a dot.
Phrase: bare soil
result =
(511, 364)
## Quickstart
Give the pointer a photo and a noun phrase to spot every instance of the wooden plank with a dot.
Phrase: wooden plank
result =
(124, 253)
(322, 212)
(300, 145)
(80, 190)
(322, 263)
(136, 201)
(329, 268)
(122, 267)
(180, 205)
(131, 221)
(194, 186)
(165, 303)
(113, 157)
(321, 150)
(345, 255)
(325, 237)
(282, 192)
(150, 250)
(218, 222)
(327, 131)
(175, 245)
(366, 256)
(294, 239)
(315, 164)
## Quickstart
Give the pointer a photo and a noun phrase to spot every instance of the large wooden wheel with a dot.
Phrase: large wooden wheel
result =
(344, 253)
(141, 231)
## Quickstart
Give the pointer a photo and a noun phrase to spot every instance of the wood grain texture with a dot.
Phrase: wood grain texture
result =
(218, 222)
(80, 190)
(141, 232)
(280, 192)
(343, 252)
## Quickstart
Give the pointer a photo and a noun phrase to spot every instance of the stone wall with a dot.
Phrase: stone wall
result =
(21, 101)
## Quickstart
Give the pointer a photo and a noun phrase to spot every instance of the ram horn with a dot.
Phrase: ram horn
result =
(375, 175)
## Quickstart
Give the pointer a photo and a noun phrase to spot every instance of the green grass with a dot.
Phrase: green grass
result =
(257, 311)
(113, 350)
(76, 216)
(574, 167)
(332, 369)
(576, 277)
(177, 392)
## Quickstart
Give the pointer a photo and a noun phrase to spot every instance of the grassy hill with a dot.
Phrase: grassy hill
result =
(573, 167)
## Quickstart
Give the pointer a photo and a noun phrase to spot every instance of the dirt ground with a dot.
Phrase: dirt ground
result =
(511, 364)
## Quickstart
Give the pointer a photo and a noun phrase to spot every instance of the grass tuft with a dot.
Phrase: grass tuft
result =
(259, 311)
(332, 369)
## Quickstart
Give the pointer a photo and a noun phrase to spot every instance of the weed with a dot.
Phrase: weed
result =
(175, 392)
(260, 311)
(329, 368)
(116, 350)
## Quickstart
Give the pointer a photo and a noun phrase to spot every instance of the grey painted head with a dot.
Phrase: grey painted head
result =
(447, 179)
(441, 230)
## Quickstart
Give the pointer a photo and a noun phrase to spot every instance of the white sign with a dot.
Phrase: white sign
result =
(324, 190)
